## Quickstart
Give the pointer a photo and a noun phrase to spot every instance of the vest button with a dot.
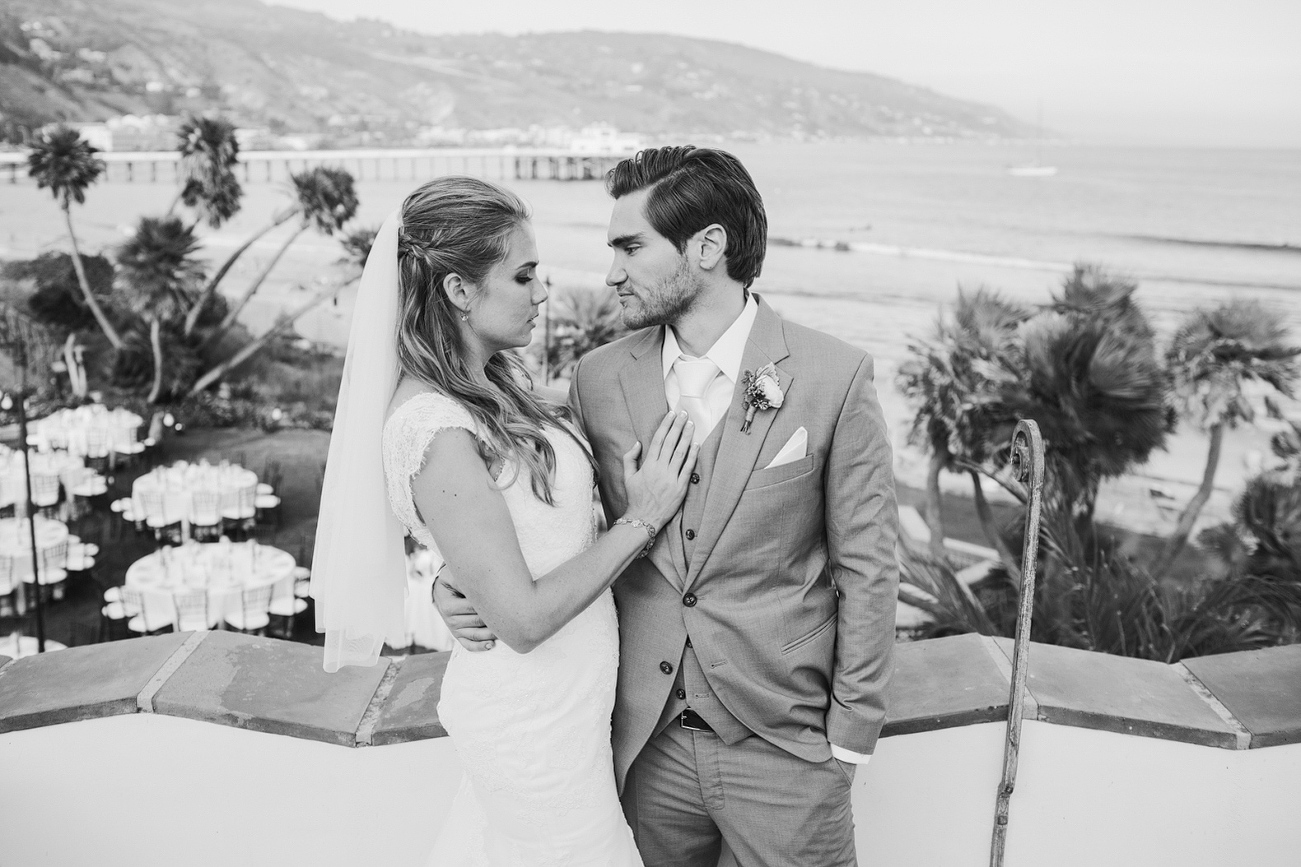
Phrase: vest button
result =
(688, 642)
(695, 478)
(689, 600)
(681, 694)
(666, 667)
(691, 534)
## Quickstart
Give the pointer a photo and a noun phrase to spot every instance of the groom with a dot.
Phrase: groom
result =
(756, 637)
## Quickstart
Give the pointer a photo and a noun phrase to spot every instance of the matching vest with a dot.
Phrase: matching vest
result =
(690, 688)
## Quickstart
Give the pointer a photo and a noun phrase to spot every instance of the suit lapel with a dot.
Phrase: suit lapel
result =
(643, 392)
(738, 451)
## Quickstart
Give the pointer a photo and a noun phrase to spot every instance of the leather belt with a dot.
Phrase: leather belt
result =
(694, 722)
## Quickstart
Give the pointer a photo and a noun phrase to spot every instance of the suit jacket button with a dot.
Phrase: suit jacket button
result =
(695, 478)
(691, 534)
(688, 642)
(666, 667)
(682, 694)
(689, 600)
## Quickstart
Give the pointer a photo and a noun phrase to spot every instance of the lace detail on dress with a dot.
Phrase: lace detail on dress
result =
(532, 730)
(407, 435)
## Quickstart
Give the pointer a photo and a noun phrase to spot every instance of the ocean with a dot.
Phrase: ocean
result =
(869, 239)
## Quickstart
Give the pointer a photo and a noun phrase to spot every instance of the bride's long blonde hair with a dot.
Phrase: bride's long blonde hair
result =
(461, 225)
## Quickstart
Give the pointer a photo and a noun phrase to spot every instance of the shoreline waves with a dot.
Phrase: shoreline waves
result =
(911, 226)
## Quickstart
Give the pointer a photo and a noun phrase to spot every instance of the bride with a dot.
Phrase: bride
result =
(439, 434)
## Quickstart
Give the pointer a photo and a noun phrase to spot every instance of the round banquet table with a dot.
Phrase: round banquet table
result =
(17, 646)
(224, 568)
(177, 483)
(92, 430)
(16, 542)
(70, 468)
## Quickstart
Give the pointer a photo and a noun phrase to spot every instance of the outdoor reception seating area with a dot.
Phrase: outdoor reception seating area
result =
(134, 536)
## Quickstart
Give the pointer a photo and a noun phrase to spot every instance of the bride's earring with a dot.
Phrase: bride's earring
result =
(465, 317)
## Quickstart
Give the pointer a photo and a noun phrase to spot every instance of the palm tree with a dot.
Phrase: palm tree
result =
(209, 153)
(159, 274)
(955, 381)
(1095, 385)
(65, 162)
(325, 200)
(356, 245)
(1212, 356)
(581, 320)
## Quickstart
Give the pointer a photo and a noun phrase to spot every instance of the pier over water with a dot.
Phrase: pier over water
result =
(506, 164)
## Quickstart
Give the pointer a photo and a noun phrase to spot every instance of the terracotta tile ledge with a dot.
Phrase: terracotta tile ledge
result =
(1232, 701)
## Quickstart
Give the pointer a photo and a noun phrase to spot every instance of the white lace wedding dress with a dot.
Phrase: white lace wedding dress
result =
(532, 730)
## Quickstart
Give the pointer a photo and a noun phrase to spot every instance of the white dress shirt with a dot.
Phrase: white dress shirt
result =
(727, 352)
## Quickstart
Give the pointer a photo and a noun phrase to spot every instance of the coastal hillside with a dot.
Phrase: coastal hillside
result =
(288, 70)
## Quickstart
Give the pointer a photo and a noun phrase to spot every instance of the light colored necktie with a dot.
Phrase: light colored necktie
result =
(694, 378)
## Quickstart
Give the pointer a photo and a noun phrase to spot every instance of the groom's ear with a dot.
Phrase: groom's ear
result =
(457, 291)
(710, 243)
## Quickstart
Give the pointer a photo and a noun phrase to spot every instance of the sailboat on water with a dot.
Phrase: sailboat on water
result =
(1036, 169)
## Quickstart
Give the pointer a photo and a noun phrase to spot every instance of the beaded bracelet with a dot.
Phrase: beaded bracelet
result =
(638, 522)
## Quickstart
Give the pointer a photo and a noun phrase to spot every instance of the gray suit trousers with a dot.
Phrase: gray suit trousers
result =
(687, 792)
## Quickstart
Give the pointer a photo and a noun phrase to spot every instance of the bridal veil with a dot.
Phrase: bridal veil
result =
(359, 573)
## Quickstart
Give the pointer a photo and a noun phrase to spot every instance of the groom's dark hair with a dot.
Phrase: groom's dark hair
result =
(691, 188)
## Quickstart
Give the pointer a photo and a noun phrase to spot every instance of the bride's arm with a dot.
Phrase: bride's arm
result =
(474, 532)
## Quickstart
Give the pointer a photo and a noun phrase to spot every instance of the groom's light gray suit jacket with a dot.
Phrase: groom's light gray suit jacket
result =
(791, 571)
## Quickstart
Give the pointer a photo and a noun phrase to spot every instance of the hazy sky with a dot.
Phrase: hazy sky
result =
(1196, 72)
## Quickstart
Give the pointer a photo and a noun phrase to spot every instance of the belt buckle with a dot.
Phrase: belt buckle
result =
(689, 726)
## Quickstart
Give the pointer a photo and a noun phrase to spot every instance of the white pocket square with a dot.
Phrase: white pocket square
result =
(794, 449)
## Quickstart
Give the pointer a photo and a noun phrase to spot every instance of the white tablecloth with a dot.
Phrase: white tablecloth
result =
(224, 568)
(93, 430)
(16, 543)
(70, 469)
(174, 488)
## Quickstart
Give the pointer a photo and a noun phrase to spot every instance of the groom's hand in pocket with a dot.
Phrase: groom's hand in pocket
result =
(462, 620)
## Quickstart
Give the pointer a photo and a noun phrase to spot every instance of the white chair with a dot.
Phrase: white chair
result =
(205, 515)
(191, 610)
(80, 562)
(166, 528)
(302, 582)
(252, 615)
(92, 484)
(45, 490)
(134, 608)
(240, 515)
(51, 570)
(11, 602)
(286, 603)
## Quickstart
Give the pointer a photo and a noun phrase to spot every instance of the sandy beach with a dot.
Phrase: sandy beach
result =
(877, 298)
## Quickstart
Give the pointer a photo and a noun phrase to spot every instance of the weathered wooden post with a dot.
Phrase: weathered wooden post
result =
(1027, 463)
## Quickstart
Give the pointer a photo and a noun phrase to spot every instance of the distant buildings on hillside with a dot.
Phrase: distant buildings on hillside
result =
(157, 132)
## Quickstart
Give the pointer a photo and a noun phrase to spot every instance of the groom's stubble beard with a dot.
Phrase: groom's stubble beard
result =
(672, 299)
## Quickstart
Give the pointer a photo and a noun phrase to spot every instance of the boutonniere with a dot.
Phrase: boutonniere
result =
(762, 391)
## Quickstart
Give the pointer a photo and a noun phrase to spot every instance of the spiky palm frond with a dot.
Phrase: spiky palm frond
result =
(581, 320)
(357, 244)
(1094, 293)
(158, 269)
(1214, 353)
(209, 153)
(1098, 394)
(65, 163)
(952, 608)
(325, 197)
(956, 378)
